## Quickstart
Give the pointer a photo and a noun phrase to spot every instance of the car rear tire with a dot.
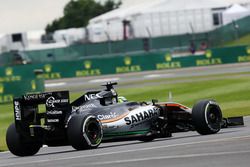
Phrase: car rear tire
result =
(207, 117)
(19, 145)
(84, 132)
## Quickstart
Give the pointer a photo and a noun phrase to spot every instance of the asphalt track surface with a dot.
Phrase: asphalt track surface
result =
(229, 148)
(142, 78)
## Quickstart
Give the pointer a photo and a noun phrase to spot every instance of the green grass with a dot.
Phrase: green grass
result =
(6, 117)
(245, 40)
(232, 93)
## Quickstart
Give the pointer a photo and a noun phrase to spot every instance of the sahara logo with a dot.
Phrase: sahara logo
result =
(87, 64)
(8, 71)
(144, 115)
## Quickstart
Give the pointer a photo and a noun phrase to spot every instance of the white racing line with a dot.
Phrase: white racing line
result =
(169, 157)
(158, 75)
(152, 76)
(103, 80)
(144, 149)
(50, 85)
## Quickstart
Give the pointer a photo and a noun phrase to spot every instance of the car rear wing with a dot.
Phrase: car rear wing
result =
(27, 115)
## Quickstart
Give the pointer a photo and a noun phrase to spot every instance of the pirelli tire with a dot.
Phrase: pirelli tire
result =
(207, 117)
(84, 132)
(20, 145)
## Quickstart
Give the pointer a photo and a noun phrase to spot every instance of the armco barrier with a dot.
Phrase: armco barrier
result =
(16, 78)
(130, 63)
(143, 62)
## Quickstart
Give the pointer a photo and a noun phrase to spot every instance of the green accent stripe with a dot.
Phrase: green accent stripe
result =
(126, 133)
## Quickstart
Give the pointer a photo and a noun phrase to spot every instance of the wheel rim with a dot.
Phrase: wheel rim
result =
(92, 131)
(213, 117)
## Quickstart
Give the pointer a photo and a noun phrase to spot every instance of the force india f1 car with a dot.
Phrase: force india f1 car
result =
(101, 116)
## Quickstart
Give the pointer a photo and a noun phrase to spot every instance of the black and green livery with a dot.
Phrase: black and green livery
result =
(101, 116)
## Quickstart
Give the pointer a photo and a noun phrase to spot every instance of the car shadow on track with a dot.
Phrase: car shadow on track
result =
(135, 142)
(162, 139)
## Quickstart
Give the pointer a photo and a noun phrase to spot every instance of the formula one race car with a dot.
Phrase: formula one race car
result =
(101, 116)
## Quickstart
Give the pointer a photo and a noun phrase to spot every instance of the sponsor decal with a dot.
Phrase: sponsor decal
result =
(1, 88)
(127, 61)
(92, 97)
(168, 57)
(8, 71)
(125, 69)
(17, 110)
(9, 77)
(208, 60)
(87, 64)
(48, 68)
(140, 117)
(36, 96)
(54, 75)
(84, 107)
(31, 97)
(213, 102)
(88, 70)
(33, 85)
(211, 61)
(243, 58)
(52, 120)
(49, 74)
(54, 112)
(51, 101)
(128, 66)
(208, 54)
(111, 115)
(169, 63)
(6, 98)
(248, 49)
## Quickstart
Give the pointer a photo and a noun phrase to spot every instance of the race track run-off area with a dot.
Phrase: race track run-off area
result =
(229, 148)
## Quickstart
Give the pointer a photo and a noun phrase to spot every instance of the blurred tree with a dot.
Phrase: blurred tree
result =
(77, 13)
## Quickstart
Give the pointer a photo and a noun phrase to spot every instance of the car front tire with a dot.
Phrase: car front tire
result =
(207, 117)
